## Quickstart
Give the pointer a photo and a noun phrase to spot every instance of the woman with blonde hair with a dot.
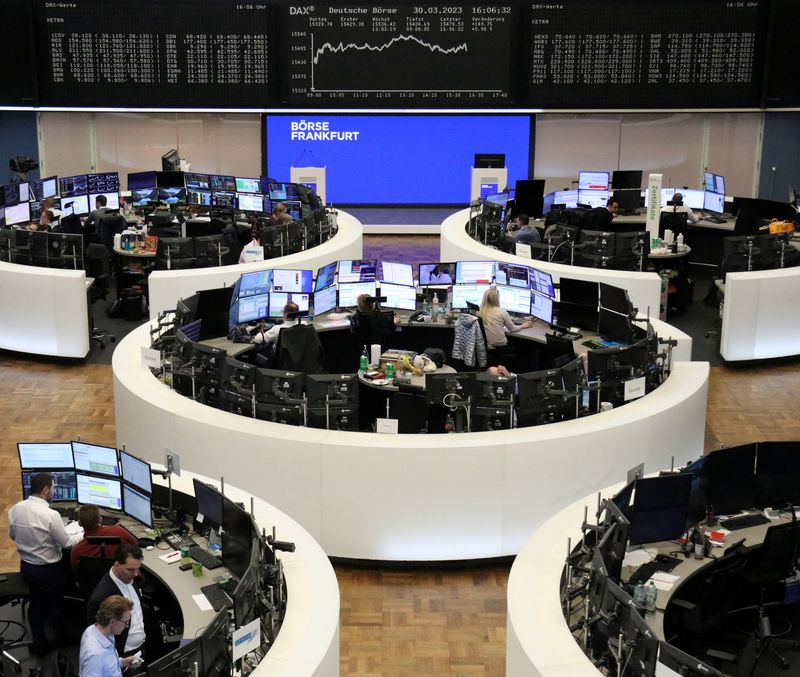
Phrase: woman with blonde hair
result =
(496, 320)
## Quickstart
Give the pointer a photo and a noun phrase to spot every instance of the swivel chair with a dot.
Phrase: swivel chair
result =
(298, 349)
(674, 221)
(559, 351)
(98, 267)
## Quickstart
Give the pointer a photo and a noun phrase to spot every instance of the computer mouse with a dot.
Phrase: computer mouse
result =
(149, 547)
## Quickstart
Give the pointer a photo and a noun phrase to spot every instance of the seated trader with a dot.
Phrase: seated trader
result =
(98, 657)
(40, 536)
(89, 518)
(49, 203)
(601, 218)
(678, 207)
(280, 214)
(525, 232)
(290, 319)
(45, 222)
(496, 320)
(100, 210)
(121, 580)
(366, 306)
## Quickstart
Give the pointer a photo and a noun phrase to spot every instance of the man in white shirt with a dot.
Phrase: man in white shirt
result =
(290, 319)
(678, 207)
(40, 536)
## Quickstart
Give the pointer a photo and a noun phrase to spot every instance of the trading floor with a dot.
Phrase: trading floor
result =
(449, 621)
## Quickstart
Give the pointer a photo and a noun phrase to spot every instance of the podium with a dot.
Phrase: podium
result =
(487, 181)
(312, 176)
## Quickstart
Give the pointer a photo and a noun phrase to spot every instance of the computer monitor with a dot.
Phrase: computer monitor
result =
(593, 180)
(512, 275)
(614, 542)
(97, 459)
(640, 643)
(660, 508)
(399, 296)
(541, 307)
(681, 663)
(139, 180)
(489, 160)
(541, 282)
(627, 200)
(274, 386)
(277, 300)
(487, 419)
(45, 455)
(515, 300)
(237, 537)
(20, 213)
(66, 484)
(285, 414)
(474, 272)
(593, 198)
(222, 182)
(450, 389)
(172, 196)
(494, 389)
(630, 179)
(778, 473)
(223, 199)
(334, 417)
(361, 270)
(137, 504)
(143, 197)
(542, 397)
(112, 199)
(180, 661)
(598, 242)
(103, 182)
(622, 499)
(135, 471)
(326, 276)
(437, 273)
(209, 504)
(103, 492)
(76, 204)
(252, 308)
(714, 202)
(464, 294)
(253, 284)
(73, 185)
(349, 292)
(340, 389)
(281, 191)
(294, 281)
(719, 184)
(396, 273)
(325, 300)
(198, 197)
(244, 185)
(194, 181)
(241, 375)
(692, 198)
(568, 198)
(725, 480)
(216, 646)
(44, 188)
(615, 299)
(245, 598)
(250, 203)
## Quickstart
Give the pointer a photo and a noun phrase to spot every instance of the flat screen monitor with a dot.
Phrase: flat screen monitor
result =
(17, 192)
(222, 183)
(593, 181)
(681, 663)
(295, 281)
(281, 191)
(361, 270)
(542, 282)
(548, 202)
(20, 213)
(135, 471)
(349, 292)
(277, 300)
(488, 189)
(541, 307)
(396, 273)
(568, 198)
(489, 160)
(274, 386)
(500, 199)
(691, 198)
(462, 294)
(209, 504)
(708, 181)
(96, 459)
(339, 389)
(245, 607)
(579, 292)
(660, 508)
(325, 276)
(223, 199)
(248, 202)
(74, 185)
(252, 308)
(325, 300)
(198, 197)
(194, 181)
(104, 182)
(778, 473)
(399, 296)
(512, 275)
(593, 198)
(726, 479)
(66, 484)
(139, 180)
(180, 661)
(216, 645)
(714, 202)
(137, 505)
(437, 273)
(615, 298)
(244, 185)
(255, 283)
(515, 300)
(144, 197)
(474, 272)
(629, 179)
(112, 199)
(103, 492)
(43, 188)
(45, 455)
(77, 204)
(237, 536)
(456, 387)
(172, 196)
(714, 183)
(615, 327)
(719, 184)
(169, 179)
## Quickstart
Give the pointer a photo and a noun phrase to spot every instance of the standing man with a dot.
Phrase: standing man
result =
(40, 536)
(98, 657)
(121, 580)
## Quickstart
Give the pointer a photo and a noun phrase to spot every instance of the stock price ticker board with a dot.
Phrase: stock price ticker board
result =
(401, 54)
(175, 53)
(633, 54)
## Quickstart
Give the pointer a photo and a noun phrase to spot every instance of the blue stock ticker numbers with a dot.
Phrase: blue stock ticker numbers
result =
(438, 54)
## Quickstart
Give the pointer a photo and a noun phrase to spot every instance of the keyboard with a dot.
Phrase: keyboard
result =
(69, 513)
(743, 522)
(714, 219)
(205, 558)
(660, 563)
(216, 596)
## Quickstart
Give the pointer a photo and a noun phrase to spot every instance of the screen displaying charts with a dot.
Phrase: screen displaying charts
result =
(100, 491)
(542, 307)
(19, 213)
(592, 180)
(66, 488)
(325, 276)
(112, 199)
(296, 281)
(472, 293)
(78, 204)
(714, 202)
(278, 300)
(357, 271)
(349, 293)
(515, 300)
(396, 273)
(542, 282)
(325, 300)
(44, 455)
(255, 283)
(136, 471)
(247, 185)
(512, 274)
(137, 505)
(399, 296)
(94, 458)
(253, 308)
(251, 203)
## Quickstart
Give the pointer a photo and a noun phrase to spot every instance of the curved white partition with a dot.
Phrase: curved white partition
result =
(167, 286)
(758, 320)
(308, 642)
(43, 311)
(410, 497)
(644, 289)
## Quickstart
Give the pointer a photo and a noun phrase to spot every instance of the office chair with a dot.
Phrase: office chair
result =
(14, 590)
(71, 224)
(674, 221)
(559, 351)
(108, 226)
(96, 258)
(298, 349)
(91, 570)
(6, 247)
(373, 327)
(505, 355)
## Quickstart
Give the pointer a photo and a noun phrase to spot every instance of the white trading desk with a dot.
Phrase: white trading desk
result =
(307, 644)
(44, 311)
(168, 286)
(644, 289)
(410, 497)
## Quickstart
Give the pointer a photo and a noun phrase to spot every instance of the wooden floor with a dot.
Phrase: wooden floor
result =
(393, 622)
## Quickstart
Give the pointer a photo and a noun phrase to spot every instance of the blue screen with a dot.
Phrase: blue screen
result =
(396, 159)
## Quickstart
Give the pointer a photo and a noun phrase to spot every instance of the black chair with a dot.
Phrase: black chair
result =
(91, 570)
(98, 267)
(298, 349)
(505, 355)
(14, 590)
(6, 247)
(109, 225)
(71, 224)
(674, 221)
(373, 327)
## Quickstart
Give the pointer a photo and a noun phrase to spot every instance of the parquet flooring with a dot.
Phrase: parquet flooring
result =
(441, 622)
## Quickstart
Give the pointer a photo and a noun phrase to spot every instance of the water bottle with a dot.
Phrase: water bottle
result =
(364, 360)
(639, 595)
(449, 424)
(650, 602)
(435, 307)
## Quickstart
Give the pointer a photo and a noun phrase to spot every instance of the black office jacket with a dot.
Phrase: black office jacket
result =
(601, 219)
(105, 588)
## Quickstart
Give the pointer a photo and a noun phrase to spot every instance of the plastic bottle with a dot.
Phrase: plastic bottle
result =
(680, 241)
(435, 307)
(650, 602)
(639, 595)
(449, 424)
(364, 360)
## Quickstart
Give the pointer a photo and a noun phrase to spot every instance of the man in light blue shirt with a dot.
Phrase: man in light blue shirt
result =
(99, 657)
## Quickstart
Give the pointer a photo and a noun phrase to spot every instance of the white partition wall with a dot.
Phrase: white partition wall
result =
(308, 175)
(43, 311)
(498, 177)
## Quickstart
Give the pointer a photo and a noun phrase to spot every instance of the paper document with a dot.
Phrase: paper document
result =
(74, 528)
(202, 602)
(170, 557)
(663, 580)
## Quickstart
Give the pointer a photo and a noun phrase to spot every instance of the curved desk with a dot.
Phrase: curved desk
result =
(167, 286)
(308, 641)
(44, 311)
(410, 497)
(644, 289)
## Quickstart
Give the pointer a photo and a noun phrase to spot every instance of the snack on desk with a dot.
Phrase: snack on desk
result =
(396, 356)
